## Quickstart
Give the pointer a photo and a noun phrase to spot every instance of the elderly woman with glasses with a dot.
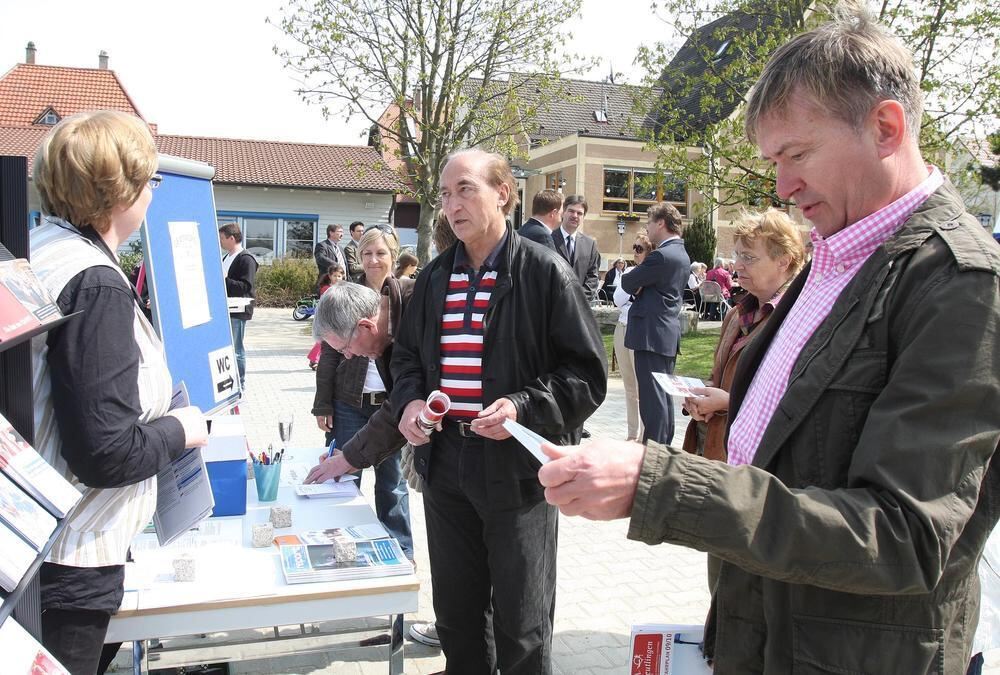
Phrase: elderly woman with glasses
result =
(769, 253)
(103, 391)
(351, 385)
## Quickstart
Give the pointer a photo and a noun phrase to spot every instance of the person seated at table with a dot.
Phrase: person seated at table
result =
(102, 388)
(693, 282)
(769, 253)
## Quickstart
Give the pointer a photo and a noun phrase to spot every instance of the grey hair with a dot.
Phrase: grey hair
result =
(695, 266)
(341, 307)
(846, 66)
(719, 262)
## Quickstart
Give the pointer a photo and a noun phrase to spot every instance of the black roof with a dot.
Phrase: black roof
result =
(713, 71)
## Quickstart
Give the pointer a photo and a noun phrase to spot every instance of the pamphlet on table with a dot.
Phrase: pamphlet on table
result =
(23, 655)
(358, 552)
(35, 476)
(667, 649)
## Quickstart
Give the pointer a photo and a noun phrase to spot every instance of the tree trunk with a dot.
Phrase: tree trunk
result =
(425, 233)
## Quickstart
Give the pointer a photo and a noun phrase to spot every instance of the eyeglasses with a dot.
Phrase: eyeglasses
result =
(639, 248)
(745, 258)
(155, 180)
(347, 345)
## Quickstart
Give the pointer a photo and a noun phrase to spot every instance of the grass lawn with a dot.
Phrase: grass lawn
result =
(695, 359)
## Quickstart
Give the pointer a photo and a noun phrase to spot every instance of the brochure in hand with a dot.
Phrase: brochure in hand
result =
(24, 515)
(23, 655)
(27, 468)
(15, 558)
(337, 554)
(677, 385)
(667, 649)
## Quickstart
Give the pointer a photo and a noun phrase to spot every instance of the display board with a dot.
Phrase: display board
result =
(186, 287)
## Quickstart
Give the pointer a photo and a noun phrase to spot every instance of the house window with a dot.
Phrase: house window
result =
(258, 237)
(299, 238)
(554, 181)
(635, 190)
(49, 118)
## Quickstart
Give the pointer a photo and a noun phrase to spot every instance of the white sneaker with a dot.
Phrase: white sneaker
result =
(425, 634)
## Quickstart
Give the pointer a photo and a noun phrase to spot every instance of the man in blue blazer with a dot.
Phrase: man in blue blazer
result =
(654, 328)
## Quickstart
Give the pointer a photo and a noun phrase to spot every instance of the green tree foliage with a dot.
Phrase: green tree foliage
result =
(724, 45)
(990, 175)
(700, 240)
(451, 68)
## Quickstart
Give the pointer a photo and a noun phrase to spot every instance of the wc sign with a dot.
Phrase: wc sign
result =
(222, 363)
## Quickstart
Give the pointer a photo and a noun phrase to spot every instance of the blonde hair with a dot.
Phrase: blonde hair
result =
(778, 232)
(91, 163)
(846, 67)
(377, 235)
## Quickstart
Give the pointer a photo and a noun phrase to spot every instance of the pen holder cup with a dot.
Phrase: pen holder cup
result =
(267, 477)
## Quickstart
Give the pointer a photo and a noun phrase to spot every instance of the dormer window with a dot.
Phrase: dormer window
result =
(721, 50)
(49, 118)
(601, 116)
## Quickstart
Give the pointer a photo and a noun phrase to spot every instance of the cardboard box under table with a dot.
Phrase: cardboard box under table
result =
(226, 459)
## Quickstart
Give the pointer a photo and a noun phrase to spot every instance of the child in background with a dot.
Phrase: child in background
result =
(334, 274)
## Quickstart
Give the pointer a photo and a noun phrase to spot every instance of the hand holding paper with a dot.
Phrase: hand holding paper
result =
(531, 441)
(597, 480)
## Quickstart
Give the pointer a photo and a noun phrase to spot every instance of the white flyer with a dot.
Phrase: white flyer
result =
(192, 293)
(677, 385)
(528, 438)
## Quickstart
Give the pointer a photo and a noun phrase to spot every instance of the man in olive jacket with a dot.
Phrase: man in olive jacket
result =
(505, 330)
(860, 488)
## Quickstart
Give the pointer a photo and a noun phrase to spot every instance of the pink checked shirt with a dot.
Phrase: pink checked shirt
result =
(836, 259)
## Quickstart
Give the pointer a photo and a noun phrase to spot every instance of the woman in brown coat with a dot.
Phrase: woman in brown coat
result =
(769, 253)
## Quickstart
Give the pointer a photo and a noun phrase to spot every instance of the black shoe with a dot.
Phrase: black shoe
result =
(585, 434)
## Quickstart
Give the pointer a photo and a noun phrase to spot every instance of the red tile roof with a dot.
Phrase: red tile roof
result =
(27, 90)
(245, 162)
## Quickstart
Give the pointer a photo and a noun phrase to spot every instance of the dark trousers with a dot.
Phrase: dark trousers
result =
(392, 495)
(487, 559)
(655, 407)
(76, 638)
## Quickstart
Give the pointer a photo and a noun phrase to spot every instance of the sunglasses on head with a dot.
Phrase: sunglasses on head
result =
(638, 248)
(382, 227)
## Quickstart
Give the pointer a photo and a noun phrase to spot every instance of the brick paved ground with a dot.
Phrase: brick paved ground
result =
(606, 582)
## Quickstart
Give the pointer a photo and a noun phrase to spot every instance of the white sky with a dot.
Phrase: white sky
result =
(206, 67)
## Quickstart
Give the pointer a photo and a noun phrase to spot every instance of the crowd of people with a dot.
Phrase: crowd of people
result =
(838, 469)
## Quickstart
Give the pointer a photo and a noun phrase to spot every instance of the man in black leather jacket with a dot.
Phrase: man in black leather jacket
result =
(505, 330)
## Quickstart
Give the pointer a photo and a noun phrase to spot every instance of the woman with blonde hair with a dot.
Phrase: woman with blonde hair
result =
(350, 386)
(103, 390)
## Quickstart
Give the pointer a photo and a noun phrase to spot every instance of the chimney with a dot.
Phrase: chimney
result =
(102, 60)
(29, 53)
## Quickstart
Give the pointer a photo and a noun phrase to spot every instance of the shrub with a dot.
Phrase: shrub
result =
(700, 240)
(284, 281)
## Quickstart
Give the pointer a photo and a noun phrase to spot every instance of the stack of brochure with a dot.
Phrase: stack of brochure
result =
(22, 655)
(23, 514)
(15, 558)
(35, 476)
(667, 649)
(312, 556)
(24, 302)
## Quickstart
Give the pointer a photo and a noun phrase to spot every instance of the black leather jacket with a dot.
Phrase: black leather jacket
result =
(542, 350)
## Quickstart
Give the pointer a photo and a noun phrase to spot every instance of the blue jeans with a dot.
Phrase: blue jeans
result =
(392, 498)
(239, 330)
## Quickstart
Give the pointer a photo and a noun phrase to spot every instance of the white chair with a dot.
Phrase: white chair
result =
(711, 294)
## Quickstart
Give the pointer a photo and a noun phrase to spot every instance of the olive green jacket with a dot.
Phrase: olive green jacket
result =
(850, 545)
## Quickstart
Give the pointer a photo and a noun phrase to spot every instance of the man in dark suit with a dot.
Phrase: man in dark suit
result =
(328, 251)
(579, 250)
(240, 270)
(546, 213)
(354, 271)
(654, 329)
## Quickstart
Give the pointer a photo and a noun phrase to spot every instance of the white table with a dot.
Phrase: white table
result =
(242, 587)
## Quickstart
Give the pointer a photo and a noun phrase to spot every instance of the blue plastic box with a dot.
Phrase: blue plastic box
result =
(226, 459)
